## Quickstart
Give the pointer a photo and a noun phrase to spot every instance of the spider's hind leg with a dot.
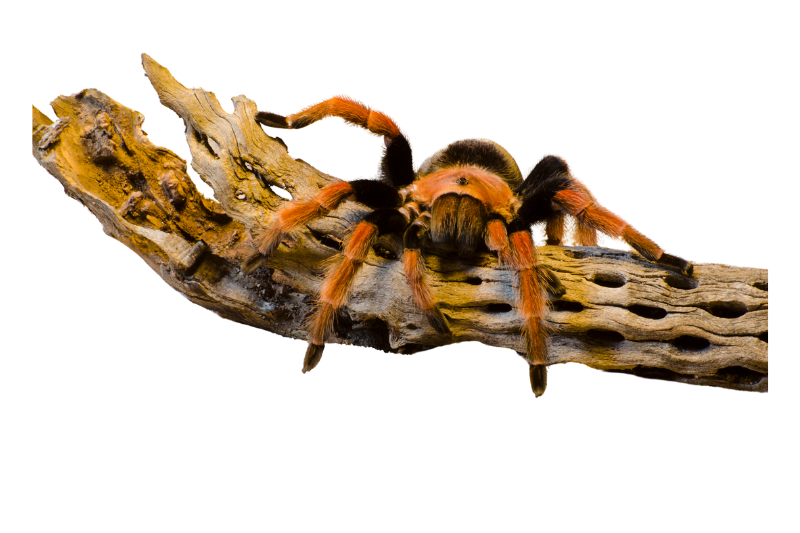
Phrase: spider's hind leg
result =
(550, 191)
(595, 221)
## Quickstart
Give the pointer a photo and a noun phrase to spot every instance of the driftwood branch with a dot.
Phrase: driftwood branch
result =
(619, 313)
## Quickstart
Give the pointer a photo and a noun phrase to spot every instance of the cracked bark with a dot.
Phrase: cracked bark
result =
(620, 313)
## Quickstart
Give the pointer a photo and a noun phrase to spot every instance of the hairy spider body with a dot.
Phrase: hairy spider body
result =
(466, 198)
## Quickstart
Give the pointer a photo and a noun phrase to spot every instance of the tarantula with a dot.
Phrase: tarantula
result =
(466, 198)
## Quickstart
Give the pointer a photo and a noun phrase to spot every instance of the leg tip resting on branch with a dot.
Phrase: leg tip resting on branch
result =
(538, 379)
(313, 356)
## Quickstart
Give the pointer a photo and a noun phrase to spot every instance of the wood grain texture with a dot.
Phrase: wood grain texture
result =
(619, 313)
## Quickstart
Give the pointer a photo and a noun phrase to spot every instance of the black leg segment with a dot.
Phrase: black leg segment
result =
(272, 120)
(376, 194)
(549, 176)
(397, 167)
(387, 221)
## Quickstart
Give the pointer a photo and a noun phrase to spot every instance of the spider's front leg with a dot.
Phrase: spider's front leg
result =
(338, 280)
(514, 247)
(396, 171)
(396, 166)
(294, 214)
(416, 237)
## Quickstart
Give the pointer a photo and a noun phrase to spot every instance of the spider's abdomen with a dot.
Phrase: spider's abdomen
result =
(457, 223)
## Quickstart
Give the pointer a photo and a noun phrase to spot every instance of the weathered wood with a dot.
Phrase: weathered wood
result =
(619, 313)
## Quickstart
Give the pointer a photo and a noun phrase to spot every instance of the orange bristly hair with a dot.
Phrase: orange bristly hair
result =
(295, 214)
(339, 281)
(417, 277)
(352, 112)
(492, 191)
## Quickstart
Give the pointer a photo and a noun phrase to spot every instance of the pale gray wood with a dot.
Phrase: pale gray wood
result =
(619, 313)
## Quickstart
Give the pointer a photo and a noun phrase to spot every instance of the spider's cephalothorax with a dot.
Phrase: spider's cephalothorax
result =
(470, 195)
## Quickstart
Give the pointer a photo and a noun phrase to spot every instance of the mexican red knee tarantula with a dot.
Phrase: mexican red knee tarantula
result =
(467, 197)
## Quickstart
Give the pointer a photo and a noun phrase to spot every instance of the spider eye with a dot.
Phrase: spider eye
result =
(462, 181)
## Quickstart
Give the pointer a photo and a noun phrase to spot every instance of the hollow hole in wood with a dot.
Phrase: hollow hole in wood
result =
(199, 137)
(138, 181)
(613, 281)
(261, 179)
(690, 343)
(646, 311)
(763, 336)
(605, 336)
(379, 331)
(740, 374)
(680, 282)
(343, 324)
(497, 308)
(412, 327)
(283, 193)
(205, 141)
(282, 314)
(649, 372)
(761, 285)
(566, 305)
(473, 280)
(727, 309)
(575, 254)
(327, 240)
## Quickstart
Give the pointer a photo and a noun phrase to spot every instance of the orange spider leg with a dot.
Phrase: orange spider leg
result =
(518, 253)
(396, 165)
(554, 228)
(336, 290)
(352, 112)
(295, 214)
(595, 221)
(497, 241)
(417, 273)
